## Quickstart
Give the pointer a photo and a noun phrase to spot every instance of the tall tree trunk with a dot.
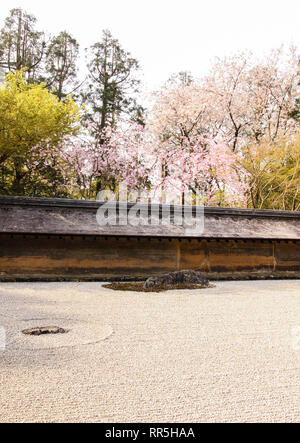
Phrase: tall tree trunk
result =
(18, 186)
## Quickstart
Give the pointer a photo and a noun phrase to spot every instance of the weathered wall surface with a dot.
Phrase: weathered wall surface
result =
(78, 217)
(54, 239)
(53, 257)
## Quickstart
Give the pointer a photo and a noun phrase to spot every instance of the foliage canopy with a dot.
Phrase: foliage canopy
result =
(32, 119)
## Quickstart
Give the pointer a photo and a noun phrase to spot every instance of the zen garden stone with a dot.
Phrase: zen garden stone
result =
(188, 277)
(45, 330)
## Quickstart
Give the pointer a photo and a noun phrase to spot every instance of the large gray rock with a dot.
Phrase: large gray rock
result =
(187, 277)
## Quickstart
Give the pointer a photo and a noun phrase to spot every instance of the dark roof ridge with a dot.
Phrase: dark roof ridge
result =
(94, 204)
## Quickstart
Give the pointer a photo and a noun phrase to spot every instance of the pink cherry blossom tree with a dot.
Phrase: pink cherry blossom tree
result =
(243, 100)
(202, 164)
(119, 154)
(250, 98)
(135, 156)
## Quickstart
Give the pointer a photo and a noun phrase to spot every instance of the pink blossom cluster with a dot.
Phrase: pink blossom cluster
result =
(202, 163)
(123, 154)
(133, 155)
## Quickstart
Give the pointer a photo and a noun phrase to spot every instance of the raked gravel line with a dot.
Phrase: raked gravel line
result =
(225, 354)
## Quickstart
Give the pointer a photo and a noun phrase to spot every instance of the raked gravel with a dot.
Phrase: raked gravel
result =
(229, 353)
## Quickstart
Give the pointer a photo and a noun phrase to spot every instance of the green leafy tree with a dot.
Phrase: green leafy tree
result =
(273, 171)
(295, 113)
(61, 64)
(111, 84)
(21, 46)
(33, 127)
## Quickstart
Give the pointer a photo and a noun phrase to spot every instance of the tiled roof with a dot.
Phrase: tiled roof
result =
(78, 217)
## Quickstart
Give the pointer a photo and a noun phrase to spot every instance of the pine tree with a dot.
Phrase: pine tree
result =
(61, 64)
(111, 84)
(21, 46)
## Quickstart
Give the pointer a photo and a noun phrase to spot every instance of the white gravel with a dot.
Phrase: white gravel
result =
(229, 353)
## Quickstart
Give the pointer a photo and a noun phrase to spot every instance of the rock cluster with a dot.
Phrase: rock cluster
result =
(188, 277)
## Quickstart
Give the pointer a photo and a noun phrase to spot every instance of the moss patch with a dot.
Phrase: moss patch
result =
(139, 287)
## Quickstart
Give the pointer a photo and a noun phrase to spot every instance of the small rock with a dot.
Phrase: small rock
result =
(177, 278)
(45, 330)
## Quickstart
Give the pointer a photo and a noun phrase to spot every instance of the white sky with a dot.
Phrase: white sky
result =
(168, 36)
